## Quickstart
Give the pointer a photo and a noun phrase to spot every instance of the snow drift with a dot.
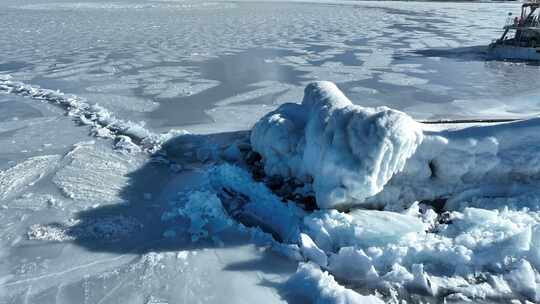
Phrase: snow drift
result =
(351, 152)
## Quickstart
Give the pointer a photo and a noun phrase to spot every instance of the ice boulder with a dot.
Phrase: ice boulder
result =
(349, 151)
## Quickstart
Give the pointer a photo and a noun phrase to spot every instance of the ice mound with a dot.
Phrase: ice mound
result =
(349, 151)
(381, 157)
(464, 165)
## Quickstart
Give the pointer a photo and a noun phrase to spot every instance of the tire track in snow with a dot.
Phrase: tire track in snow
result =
(102, 122)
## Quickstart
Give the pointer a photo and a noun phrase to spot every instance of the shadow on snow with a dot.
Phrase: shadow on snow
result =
(148, 193)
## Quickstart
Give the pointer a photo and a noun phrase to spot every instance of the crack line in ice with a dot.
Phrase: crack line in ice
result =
(102, 122)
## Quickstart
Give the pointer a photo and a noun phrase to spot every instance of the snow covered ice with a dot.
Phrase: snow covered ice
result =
(191, 152)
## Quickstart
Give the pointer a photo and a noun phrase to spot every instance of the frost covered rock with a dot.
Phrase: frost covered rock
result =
(350, 151)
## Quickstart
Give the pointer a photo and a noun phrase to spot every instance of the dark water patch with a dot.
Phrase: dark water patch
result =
(261, 100)
(348, 58)
(427, 20)
(318, 48)
(14, 66)
(236, 74)
(462, 53)
(391, 95)
(396, 11)
(357, 42)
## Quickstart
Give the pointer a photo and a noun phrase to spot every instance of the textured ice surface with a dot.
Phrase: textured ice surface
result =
(16, 178)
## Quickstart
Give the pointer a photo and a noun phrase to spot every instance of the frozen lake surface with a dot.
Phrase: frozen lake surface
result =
(81, 216)
(178, 64)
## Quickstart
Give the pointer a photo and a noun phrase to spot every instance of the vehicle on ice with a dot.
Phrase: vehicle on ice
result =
(521, 37)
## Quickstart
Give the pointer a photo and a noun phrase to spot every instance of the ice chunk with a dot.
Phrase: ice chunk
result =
(311, 251)
(261, 206)
(421, 281)
(353, 265)
(351, 152)
(398, 274)
(378, 156)
(523, 280)
(311, 285)
(333, 229)
(125, 144)
(470, 165)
